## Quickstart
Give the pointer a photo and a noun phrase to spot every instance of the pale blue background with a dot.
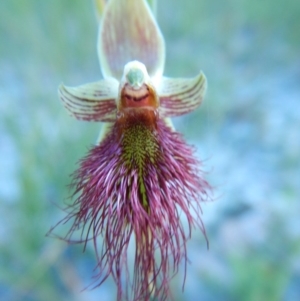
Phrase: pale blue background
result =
(247, 132)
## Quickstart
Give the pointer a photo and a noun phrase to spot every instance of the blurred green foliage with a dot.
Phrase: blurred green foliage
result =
(248, 128)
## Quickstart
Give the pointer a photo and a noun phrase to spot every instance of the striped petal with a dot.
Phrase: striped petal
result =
(93, 102)
(129, 32)
(100, 5)
(180, 96)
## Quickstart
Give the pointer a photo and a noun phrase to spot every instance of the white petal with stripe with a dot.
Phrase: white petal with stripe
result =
(129, 32)
(180, 96)
(93, 102)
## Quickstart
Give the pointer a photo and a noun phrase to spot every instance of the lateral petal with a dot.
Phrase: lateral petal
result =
(92, 102)
(129, 32)
(105, 130)
(180, 96)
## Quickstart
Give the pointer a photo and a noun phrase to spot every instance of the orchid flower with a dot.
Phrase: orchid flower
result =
(141, 178)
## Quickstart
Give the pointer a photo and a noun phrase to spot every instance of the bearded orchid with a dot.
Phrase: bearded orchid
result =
(141, 178)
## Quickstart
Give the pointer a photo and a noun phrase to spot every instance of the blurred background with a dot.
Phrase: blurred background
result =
(247, 132)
